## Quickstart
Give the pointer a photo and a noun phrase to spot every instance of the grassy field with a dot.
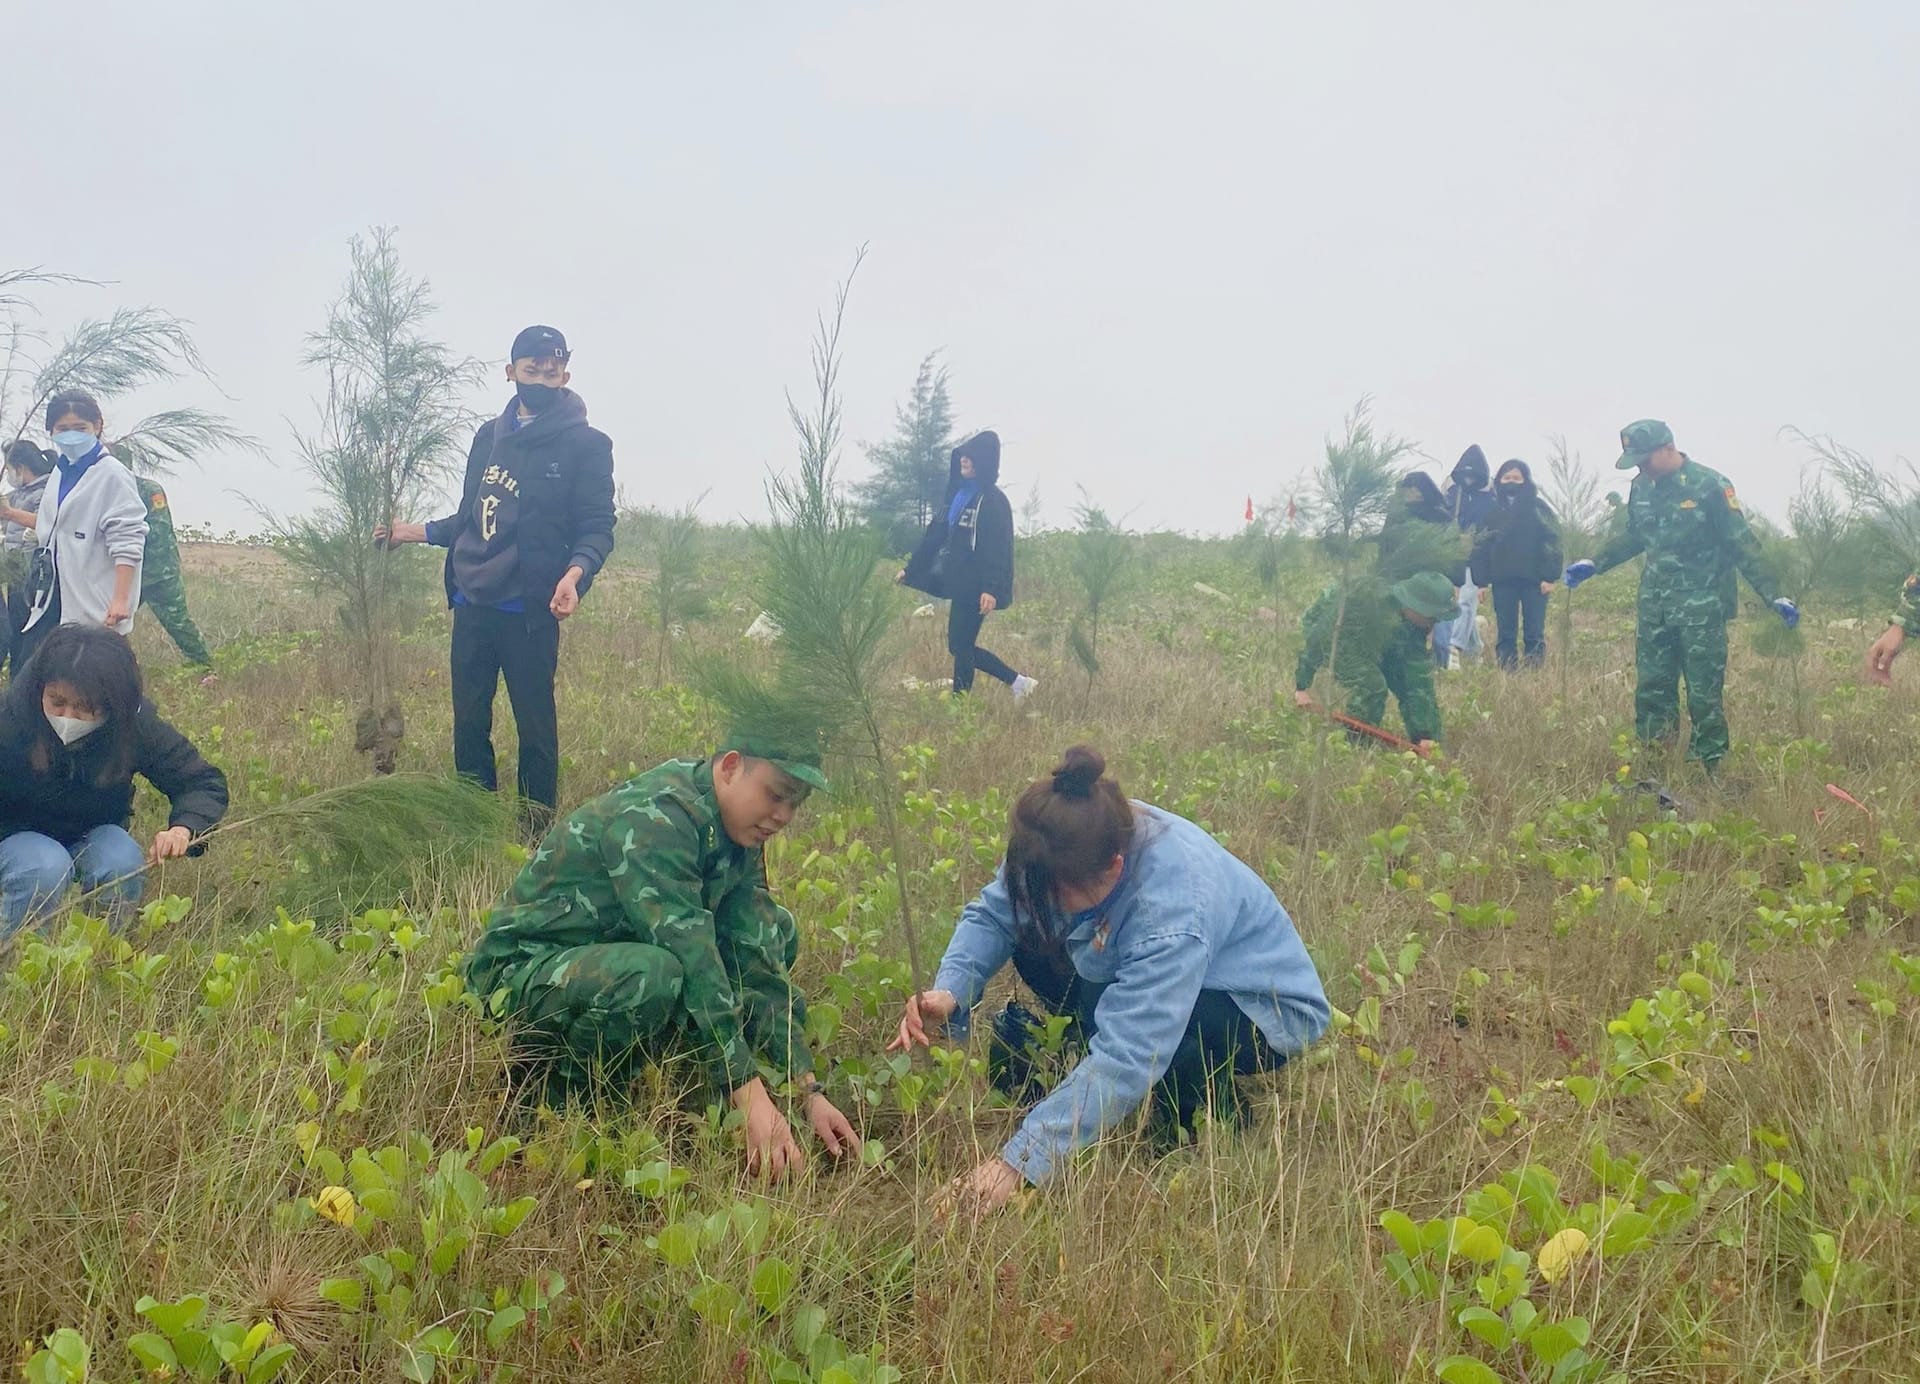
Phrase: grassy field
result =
(1614, 1092)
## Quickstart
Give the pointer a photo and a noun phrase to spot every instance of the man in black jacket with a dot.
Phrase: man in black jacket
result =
(534, 527)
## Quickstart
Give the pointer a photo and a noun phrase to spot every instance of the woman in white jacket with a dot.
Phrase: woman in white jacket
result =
(91, 526)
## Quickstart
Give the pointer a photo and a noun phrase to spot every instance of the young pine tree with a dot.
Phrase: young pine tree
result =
(393, 428)
(823, 581)
(1101, 560)
(1573, 493)
(677, 596)
(1353, 492)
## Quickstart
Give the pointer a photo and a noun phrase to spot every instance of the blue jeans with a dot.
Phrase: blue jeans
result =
(35, 871)
(1442, 641)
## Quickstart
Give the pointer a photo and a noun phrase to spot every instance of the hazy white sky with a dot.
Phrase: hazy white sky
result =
(1164, 247)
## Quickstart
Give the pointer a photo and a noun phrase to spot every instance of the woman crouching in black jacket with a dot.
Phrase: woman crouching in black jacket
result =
(967, 557)
(74, 730)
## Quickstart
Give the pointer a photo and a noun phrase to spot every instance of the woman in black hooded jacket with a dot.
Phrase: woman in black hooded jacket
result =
(966, 556)
(1522, 561)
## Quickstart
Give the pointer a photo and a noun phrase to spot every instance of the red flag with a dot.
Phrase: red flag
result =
(1249, 509)
(1290, 509)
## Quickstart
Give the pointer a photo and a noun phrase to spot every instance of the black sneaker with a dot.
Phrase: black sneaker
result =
(1010, 1054)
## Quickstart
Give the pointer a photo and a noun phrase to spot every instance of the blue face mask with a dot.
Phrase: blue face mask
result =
(74, 444)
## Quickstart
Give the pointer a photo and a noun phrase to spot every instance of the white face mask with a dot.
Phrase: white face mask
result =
(72, 728)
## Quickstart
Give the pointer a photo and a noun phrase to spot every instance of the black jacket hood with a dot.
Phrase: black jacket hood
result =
(984, 448)
(1530, 490)
(1471, 471)
(1428, 488)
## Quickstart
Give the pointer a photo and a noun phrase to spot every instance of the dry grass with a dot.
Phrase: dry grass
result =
(1248, 1257)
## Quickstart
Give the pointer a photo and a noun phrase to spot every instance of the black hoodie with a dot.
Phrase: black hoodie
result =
(538, 499)
(1406, 546)
(1522, 536)
(976, 554)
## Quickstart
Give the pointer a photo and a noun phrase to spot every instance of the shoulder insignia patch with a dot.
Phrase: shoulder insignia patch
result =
(1913, 581)
(1689, 504)
(1733, 500)
(159, 500)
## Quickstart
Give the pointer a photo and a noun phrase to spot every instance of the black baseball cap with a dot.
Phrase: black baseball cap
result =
(537, 343)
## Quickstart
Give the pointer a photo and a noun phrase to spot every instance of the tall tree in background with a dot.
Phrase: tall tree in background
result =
(108, 357)
(393, 429)
(910, 468)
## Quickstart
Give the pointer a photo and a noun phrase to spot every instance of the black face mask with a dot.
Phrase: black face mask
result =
(1512, 487)
(536, 398)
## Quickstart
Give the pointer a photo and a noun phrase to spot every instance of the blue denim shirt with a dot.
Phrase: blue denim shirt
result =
(1186, 916)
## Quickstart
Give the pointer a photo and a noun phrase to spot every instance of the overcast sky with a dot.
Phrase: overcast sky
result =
(1162, 247)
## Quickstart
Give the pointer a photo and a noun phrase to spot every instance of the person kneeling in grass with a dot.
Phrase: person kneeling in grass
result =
(642, 929)
(1173, 960)
(74, 730)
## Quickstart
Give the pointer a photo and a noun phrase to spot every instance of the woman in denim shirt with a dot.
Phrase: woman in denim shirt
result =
(1174, 960)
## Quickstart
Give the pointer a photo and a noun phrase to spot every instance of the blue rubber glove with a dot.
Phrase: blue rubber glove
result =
(1578, 572)
(1787, 611)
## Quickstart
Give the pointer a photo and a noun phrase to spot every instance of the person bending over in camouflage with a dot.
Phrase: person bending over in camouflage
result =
(1382, 649)
(1687, 520)
(1906, 620)
(642, 929)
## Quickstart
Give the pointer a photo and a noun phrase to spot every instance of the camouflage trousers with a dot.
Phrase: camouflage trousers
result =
(1666, 652)
(166, 596)
(1368, 682)
(588, 1018)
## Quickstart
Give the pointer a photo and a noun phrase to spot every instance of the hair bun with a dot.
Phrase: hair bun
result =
(1079, 769)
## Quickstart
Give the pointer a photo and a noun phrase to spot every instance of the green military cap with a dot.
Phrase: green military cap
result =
(1425, 593)
(1638, 441)
(793, 754)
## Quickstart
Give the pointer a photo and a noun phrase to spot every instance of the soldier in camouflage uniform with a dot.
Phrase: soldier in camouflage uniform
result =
(1383, 637)
(1687, 520)
(161, 588)
(1906, 621)
(642, 929)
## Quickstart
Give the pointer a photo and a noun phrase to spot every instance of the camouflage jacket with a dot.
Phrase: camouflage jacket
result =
(1690, 526)
(161, 560)
(650, 862)
(1377, 643)
(1906, 606)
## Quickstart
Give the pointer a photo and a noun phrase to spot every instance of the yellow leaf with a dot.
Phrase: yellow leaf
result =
(1558, 1254)
(1697, 1094)
(335, 1204)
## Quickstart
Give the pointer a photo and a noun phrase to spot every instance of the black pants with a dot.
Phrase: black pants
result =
(1516, 603)
(25, 642)
(490, 643)
(963, 632)
(16, 617)
(1220, 1043)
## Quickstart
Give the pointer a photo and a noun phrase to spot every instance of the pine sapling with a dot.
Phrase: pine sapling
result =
(393, 428)
(823, 581)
